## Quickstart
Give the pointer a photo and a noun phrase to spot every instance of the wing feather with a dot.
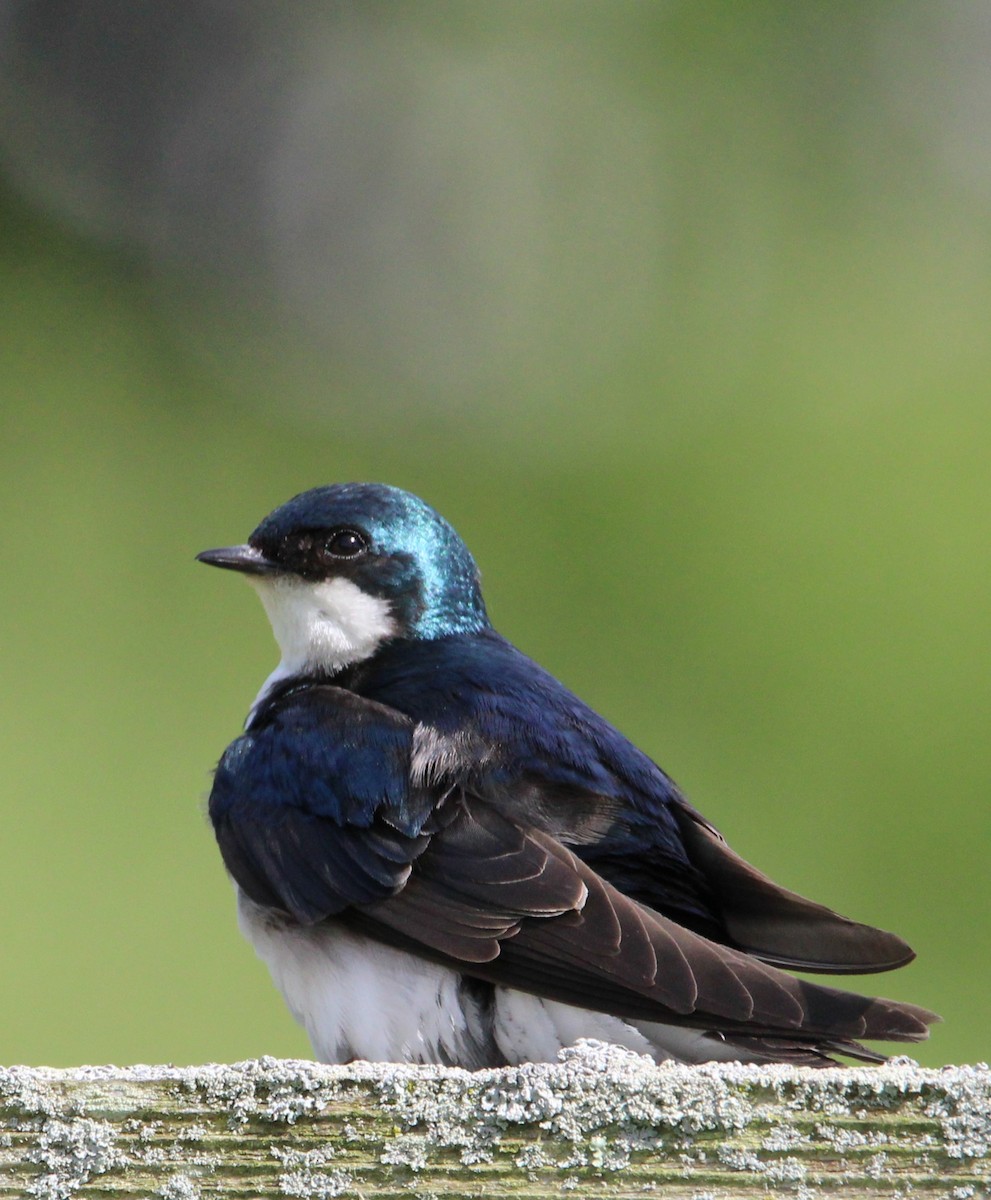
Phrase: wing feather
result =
(312, 806)
(601, 949)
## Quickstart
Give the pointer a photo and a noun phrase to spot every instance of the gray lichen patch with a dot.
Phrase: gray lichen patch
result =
(305, 1173)
(593, 1088)
(179, 1187)
(71, 1153)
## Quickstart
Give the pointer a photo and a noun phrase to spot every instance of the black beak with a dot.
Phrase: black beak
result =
(245, 558)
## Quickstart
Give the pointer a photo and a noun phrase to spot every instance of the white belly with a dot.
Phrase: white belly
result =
(359, 999)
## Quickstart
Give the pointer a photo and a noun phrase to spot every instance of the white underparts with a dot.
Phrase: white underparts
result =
(321, 626)
(359, 999)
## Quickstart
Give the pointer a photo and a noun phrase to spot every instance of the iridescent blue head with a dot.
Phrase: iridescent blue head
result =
(341, 569)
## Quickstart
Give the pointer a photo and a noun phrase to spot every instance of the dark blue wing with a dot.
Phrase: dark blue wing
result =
(552, 762)
(313, 806)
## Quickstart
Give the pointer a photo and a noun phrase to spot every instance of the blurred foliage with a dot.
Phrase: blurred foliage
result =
(754, 534)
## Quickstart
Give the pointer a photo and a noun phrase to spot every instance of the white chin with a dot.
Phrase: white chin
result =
(323, 626)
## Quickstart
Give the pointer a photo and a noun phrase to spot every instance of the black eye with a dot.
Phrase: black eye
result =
(346, 543)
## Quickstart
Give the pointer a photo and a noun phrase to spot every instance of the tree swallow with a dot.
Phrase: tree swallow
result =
(444, 856)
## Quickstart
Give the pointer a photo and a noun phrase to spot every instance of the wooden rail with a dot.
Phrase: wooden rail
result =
(601, 1122)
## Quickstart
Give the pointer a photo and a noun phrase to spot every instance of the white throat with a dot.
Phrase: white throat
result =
(321, 626)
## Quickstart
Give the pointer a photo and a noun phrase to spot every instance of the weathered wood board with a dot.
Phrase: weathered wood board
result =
(601, 1122)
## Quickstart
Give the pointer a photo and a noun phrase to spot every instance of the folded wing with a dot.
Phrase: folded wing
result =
(312, 806)
(529, 914)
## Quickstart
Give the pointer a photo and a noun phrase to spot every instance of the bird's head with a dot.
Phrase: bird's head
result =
(343, 569)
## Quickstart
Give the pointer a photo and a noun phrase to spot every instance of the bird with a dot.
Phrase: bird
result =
(445, 856)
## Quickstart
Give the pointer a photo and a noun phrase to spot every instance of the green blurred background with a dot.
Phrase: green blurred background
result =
(680, 313)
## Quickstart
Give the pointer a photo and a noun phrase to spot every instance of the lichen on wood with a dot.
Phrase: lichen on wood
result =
(601, 1122)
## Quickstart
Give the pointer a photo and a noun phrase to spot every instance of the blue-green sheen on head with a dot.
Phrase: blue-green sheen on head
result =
(412, 558)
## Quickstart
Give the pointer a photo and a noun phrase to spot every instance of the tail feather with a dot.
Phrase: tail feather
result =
(780, 926)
